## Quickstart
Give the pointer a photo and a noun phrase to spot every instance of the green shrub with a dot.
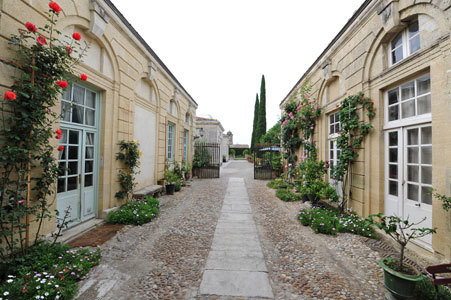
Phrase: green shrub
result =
(178, 185)
(46, 270)
(136, 212)
(287, 195)
(329, 221)
(425, 290)
(279, 183)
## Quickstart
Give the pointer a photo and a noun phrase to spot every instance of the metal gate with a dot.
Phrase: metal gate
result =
(267, 161)
(207, 160)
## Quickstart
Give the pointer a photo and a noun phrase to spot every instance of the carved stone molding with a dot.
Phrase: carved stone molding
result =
(152, 71)
(388, 10)
(99, 19)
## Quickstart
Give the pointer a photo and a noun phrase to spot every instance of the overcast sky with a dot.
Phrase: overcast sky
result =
(218, 50)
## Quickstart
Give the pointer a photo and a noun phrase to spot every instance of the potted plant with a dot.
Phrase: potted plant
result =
(187, 171)
(400, 279)
(170, 178)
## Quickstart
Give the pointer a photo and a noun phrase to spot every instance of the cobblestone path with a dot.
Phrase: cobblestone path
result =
(169, 257)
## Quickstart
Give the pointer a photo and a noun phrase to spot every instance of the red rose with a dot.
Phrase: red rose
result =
(76, 36)
(41, 40)
(62, 84)
(9, 95)
(31, 27)
(61, 148)
(55, 7)
(58, 131)
(84, 77)
(58, 137)
(68, 49)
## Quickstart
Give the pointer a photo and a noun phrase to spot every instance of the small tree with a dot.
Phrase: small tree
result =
(129, 155)
(402, 231)
(261, 125)
(254, 127)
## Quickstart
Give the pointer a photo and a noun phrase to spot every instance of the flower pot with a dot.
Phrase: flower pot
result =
(170, 189)
(187, 175)
(401, 286)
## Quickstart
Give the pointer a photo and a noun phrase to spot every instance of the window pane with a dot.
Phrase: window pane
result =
(72, 183)
(426, 155)
(88, 180)
(393, 113)
(393, 139)
(393, 188)
(424, 104)
(412, 192)
(61, 185)
(407, 90)
(65, 111)
(412, 136)
(397, 41)
(393, 155)
(90, 99)
(331, 118)
(412, 155)
(90, 117)
(63, 139)
(79, 95)
(423, 85)
(414, 44)
(77, 114)
(393, 171)
(331, 129)
(62, 169)
(412, 173)
(67, 93)
(73, 137)
(337, 127)
(331, 154)
(89, 152)
(73, 152)
(408, 109)
(392, 97)
(89, 166)
(426, 196)
(426, 135)
(413, 28)
(426, 175)
(397, 55)
(72, 168)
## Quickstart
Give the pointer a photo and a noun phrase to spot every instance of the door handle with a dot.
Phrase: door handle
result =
(417, 204)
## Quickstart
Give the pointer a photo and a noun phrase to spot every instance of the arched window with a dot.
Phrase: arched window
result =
(405, 43)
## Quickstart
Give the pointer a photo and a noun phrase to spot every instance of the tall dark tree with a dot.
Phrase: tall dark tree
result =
(261, 125)
(254, 128)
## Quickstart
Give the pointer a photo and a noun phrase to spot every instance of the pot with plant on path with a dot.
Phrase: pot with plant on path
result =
(400, 279)
(170, 177)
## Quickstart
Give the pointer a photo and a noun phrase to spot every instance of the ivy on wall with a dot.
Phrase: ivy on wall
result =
(129, 155)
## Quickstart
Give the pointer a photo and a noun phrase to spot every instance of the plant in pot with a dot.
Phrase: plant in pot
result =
(187, 170)
(400, 279)
(170, 178)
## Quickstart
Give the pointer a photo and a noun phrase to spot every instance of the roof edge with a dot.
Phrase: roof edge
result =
(340, 34)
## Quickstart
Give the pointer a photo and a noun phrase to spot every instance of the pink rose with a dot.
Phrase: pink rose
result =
(291, 115)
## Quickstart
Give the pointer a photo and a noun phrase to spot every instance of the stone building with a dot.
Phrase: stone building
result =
(130, 94)
(211, 131)
(398, 53)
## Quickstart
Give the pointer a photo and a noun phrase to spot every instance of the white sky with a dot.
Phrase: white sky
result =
(218, 50)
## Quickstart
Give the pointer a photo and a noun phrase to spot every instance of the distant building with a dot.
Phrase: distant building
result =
(210, 130)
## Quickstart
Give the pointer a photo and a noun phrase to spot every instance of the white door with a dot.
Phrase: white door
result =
(77, 184)
(408, 176)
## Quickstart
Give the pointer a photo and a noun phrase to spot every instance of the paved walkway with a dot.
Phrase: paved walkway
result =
(235, 264)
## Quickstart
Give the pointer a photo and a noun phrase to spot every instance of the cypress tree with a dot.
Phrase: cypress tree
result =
(261, 125)
(254, 128)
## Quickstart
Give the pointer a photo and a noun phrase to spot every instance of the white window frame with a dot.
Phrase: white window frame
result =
(332, 137)
(405, 44)
(170, 141)
(185, 146)
(415, 119)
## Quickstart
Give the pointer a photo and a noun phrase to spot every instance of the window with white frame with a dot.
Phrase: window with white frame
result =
(170, 142)
(409, 100)
(185, 147)
(405, 43)
(334, 133)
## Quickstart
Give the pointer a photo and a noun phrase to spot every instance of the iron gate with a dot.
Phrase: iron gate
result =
(267, 161)
(207, 160)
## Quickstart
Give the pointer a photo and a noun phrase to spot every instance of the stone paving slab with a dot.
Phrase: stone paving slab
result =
(236, 283)
(235, 264)
(236, 260)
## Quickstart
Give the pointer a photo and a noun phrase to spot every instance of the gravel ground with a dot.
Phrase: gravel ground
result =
(165, 259)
